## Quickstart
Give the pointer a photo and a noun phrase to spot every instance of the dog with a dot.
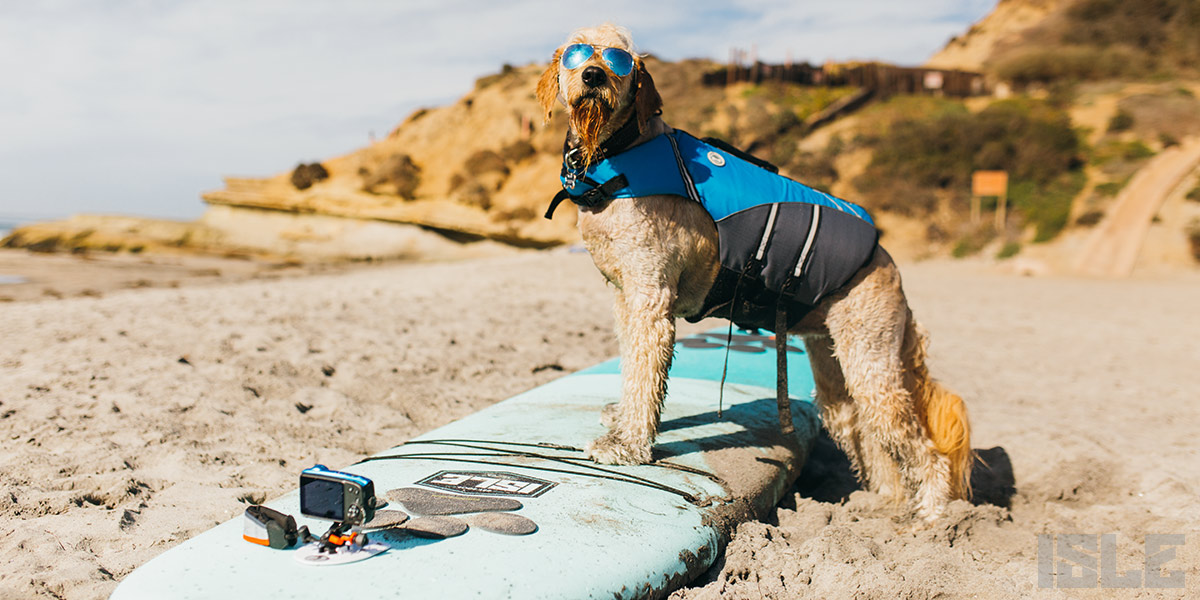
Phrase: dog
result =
(907, 436)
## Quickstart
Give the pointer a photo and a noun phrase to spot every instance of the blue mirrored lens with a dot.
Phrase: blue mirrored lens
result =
(576, 54)
(618, 60)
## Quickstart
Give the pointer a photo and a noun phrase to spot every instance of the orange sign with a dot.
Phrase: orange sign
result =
(989, 183)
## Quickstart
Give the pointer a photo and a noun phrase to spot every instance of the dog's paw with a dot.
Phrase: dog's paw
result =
(930, 513)
(609, 450)
(609, 414)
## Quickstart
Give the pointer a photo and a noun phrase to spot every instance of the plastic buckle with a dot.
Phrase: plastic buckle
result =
(591, 197)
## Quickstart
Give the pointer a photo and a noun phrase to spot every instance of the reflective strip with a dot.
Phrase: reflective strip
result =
(848, 207)
(762, 246)
(687, 177)
(808, 243)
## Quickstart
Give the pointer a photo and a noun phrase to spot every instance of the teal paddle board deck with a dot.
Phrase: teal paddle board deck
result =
(602, 531)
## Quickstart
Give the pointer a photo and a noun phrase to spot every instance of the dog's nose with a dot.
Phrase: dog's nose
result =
(594, 76)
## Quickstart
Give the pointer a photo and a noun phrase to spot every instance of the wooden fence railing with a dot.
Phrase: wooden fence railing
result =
(882, 79)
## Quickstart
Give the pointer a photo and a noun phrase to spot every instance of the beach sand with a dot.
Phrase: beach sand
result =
(26, 275)
(133, 419)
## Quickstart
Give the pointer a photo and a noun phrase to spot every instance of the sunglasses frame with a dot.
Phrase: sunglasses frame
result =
(604, 59)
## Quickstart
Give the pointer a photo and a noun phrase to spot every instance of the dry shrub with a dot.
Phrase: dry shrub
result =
(1110, 189)
(901, 196)
(305, 175)
(1121, 121)
(484, 172)
(398, 171)
(1193, 235)
(1097, 39)
(1120, 158)
(816, 170)
(1090, 218)
(515, 213)
(1072, 63)
(1162, 28)
(1010, 249)
(474, 194)
(485, 161)
(517, 151)
(488, 80)
(1172, 113)
(972, 242)
(935, 233)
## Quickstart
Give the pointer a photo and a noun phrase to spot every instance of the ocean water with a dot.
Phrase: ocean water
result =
(9, 223)
(5, 228)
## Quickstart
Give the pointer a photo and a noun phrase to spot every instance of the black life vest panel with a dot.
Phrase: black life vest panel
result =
(784, 255)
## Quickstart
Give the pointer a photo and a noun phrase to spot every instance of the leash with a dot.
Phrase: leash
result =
(728, 343)
(781, 378)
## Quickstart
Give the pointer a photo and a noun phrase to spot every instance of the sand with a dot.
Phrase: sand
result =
(28, 275)
(136, 418)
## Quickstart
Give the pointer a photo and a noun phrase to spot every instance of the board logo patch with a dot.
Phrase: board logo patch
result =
(487, 483)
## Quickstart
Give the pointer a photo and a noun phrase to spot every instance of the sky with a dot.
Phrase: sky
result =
(137, 106)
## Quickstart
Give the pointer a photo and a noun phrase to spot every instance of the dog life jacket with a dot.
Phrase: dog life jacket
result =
(783, 246)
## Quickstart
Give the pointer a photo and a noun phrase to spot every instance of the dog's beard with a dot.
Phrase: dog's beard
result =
(588, 118)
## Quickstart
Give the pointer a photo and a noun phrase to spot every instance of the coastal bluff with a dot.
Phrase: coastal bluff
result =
(483, 168)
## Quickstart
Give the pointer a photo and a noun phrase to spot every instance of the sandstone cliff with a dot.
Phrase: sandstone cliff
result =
(482, 167)
(1004, 26)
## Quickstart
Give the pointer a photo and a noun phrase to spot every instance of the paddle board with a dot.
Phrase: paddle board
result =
(601, 531)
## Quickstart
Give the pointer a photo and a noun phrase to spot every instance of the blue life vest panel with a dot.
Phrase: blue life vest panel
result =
(724, 182)
(782, 244)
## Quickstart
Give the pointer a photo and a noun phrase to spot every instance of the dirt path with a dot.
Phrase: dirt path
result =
(1112, 249)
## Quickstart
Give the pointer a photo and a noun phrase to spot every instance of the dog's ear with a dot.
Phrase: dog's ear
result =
(547, 87)
(646, 102)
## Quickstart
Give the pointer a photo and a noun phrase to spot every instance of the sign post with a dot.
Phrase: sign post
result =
(990, 183)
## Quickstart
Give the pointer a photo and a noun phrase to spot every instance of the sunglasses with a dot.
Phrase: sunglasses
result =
(618, 60)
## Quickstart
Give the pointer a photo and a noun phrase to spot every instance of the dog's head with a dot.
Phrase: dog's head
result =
(602, 82)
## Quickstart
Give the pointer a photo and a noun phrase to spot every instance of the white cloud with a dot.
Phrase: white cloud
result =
(137, 106)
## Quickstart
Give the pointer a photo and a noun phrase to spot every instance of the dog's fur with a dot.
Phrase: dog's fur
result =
(906, 436)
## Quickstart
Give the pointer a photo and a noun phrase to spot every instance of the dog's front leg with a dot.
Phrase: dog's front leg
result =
(646, 331)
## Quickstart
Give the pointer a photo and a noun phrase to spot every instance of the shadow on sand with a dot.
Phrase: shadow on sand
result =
(827, 477)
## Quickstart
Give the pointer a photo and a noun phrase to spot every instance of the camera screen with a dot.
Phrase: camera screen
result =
(321, 499)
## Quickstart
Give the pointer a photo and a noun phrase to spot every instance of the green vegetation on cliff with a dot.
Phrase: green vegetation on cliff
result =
(930, 148)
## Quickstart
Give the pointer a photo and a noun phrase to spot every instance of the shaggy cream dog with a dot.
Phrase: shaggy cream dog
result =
(907, 437)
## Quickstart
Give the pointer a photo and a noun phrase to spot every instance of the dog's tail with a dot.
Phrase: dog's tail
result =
(943, 412)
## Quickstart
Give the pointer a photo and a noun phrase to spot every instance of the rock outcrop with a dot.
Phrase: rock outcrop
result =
(483, 167)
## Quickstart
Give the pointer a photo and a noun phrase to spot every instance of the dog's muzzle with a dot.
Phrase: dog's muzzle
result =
(593, 77)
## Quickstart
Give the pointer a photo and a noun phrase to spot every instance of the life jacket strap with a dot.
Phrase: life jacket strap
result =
(598, 194)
